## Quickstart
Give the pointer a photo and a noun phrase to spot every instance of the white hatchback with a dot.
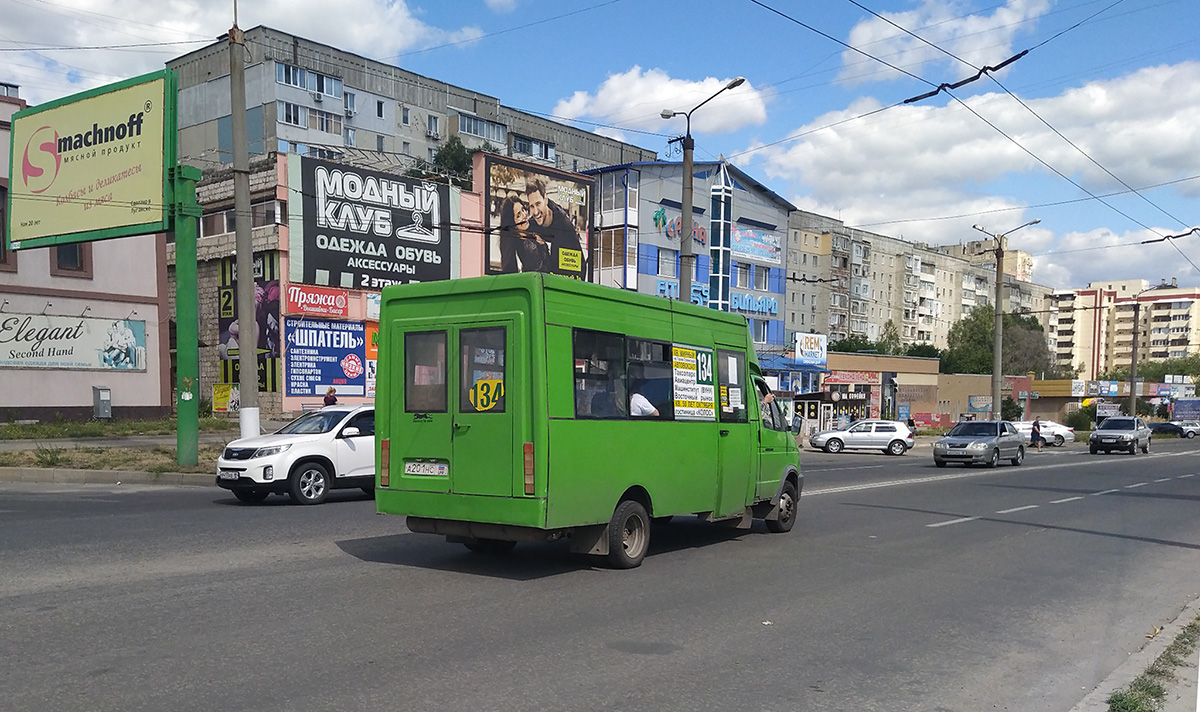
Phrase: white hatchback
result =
(1053, 433)
(331, 448)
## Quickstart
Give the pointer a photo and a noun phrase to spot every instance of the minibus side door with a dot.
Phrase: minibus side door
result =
(736, 457)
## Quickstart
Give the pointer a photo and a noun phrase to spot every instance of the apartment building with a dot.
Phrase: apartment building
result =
(315, 110)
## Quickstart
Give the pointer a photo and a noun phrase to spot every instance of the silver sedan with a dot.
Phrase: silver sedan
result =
(980, 442)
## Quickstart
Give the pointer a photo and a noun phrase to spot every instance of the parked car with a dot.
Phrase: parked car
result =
(331, 448)
(1120, 432)
(1053, 433)
(1168, 430)
(1190, 427)
(890, 436)
(985, 442)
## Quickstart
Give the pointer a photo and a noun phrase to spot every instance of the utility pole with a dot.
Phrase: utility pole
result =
(246, 314)
(1137, 326)
(998, 338)
(686, 266)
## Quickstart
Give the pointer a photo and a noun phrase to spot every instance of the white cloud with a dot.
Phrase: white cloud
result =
(915, 162)
(978, 39)
(635, 99)
(373, 28)
(501, 5)
(1075, 260)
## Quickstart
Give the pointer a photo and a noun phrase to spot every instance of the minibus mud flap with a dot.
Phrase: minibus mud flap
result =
(590, 540)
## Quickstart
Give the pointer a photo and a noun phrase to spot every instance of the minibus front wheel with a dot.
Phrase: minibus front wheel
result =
(628, 535)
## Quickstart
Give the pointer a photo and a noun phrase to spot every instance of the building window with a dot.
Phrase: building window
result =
(741, 276)
(293, 114)
(432, 154)
(533, 147)
(484, 129)
(761, 275)
(666, 262)
(72, 261)
(379, 143)
(404, 115)
(405, 148)
(379, 109)
(325, 121)
(348, 100)
(269, 212)
(349, 136)
(323, 84)
(292, 76)
(431, 124)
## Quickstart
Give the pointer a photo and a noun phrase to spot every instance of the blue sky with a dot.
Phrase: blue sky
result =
(1106, 100)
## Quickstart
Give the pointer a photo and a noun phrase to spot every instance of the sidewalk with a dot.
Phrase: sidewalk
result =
(133, 441)
(1181, 695)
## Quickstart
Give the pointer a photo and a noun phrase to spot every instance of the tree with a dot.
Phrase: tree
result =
(969, 345)
(1010, 409)
(923, 349)
(853, 344)
(889, 339)
(453, 159)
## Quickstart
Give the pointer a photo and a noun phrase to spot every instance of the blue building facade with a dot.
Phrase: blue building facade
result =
(739, 231)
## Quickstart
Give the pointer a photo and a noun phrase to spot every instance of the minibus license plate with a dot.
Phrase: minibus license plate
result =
(426, 468)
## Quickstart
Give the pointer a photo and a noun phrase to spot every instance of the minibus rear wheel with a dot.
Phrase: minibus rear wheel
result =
(628, 535)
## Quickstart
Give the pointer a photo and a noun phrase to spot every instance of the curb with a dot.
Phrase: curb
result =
(103, 477)
(1139, 660)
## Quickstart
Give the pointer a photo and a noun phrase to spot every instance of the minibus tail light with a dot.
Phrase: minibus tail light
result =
(384, 461)
(528, 468)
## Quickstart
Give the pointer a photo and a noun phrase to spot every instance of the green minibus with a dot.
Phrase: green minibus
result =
(533, 407)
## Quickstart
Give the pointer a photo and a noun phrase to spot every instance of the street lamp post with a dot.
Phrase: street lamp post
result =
(998, 339)
(685, 238)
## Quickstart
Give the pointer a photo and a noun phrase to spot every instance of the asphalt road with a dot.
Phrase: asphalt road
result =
(902, 587)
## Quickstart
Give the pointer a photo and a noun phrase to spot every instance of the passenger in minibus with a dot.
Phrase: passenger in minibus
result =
(639, 405)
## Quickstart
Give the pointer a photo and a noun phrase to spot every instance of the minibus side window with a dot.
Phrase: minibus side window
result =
(600, 375)
(481, 363)
(772, 413)
(425, 372)
(651, 376)
(731, 391)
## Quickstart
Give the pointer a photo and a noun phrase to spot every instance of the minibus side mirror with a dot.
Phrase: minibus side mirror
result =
(796, 423)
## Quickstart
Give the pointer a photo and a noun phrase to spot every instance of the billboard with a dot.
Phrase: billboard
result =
(538, 219)
(317, 301)
(812, 349)
(93, 165)
(756, 244)
(325, 353)
(364, 229)
(72, 343)
(266, 320)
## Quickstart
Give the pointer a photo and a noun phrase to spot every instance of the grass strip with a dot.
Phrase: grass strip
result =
(1148, 691)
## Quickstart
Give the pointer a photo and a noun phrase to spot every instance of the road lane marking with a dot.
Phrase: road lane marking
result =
(1017, 509)
(1097, 494)
(1163, 479)
(1068, 499)
(1138, 484)
(842, 469)
(952, 521)
(963, 475)
(1183, 477)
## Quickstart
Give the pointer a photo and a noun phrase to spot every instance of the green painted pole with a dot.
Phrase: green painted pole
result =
(187, 315)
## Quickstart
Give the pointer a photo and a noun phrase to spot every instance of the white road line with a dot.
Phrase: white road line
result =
(843, 469)
(1017, 509)
(1163, 479)
(1068, 499)
(1138, 484)
(1183, 477)
(1097, 494)
(952, 521)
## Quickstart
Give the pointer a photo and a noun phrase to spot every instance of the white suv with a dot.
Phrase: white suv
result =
(331, 448)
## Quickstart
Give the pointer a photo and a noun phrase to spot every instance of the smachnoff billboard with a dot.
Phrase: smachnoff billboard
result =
(538, 219)
(366, 230)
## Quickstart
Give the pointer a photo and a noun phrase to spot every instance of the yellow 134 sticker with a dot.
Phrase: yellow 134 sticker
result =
(485, 394)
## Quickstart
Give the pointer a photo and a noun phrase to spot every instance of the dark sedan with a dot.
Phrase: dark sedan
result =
(1168, 429)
